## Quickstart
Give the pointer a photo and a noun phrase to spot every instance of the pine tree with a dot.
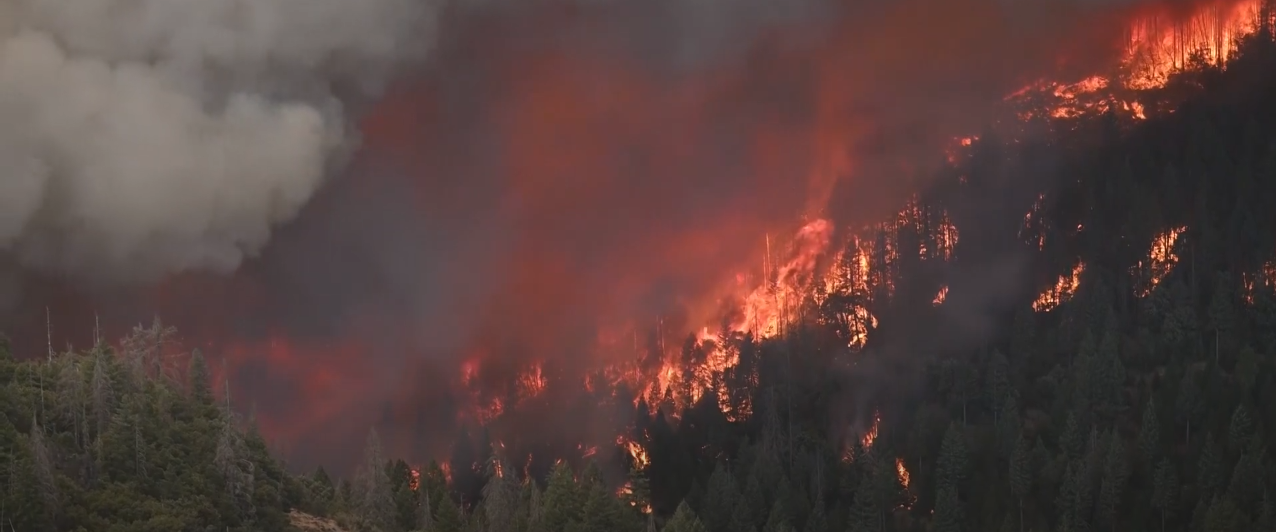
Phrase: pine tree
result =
(1221, 314)
(1165, 490)
(721, 498)
(1188, 405)
(376, 503)
(42, 462)
(200, 381)
(818, 520)
(447, 517)
(1246, 486)
(1020, 475)
(684, 520)
(948, 511)
(865, 514)
(1240, 430)
(1072, 441)
(563, 502)
(500, 501)
(953, 459)
(779, 517)
(997, 385)
(638, 491)
(1116, 471)
(1149, 433)
(1209, 468)
(603, 512)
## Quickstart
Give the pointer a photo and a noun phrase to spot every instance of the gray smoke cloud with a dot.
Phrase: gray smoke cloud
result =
(145, 137)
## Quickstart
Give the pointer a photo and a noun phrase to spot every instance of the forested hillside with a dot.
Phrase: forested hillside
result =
(1137, 394)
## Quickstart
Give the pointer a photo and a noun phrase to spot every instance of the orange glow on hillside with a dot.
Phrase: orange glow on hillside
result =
(870, 435)
(1161, 259)
(940, 296)
(636, 452)
(1062, 291)
(1159, 43)
(1266, 278)
(571, 122)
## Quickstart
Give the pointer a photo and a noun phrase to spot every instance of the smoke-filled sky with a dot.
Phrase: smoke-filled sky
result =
(346, 198)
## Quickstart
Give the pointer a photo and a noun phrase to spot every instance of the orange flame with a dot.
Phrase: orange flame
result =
(636, 452)
(1062, 291)
(626, 491)
(1267, 276)
(1157, 45)
(531, 383)
(870, 435)
(940, 296)
(1161, 260)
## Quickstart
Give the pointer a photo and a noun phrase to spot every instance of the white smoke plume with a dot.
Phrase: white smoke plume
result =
(140, 138)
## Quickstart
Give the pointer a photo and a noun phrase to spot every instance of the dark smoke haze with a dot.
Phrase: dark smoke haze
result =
(547, 169)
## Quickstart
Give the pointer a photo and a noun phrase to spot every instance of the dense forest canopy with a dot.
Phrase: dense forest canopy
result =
(1137, 392)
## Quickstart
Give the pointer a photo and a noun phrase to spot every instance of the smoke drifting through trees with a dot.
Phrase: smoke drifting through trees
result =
(558, 168)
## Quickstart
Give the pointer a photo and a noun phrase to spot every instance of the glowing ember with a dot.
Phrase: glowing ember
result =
(1062, 291)
(870, 435)
(531, 384)
(1265, 278)
(940, 296)
(1160, 261)
(626, 492)
(1031, 230)
(636, 452)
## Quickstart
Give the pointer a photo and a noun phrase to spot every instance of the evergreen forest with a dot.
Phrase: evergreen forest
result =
(1142, 400)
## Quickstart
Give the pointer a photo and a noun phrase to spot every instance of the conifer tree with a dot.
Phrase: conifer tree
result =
(684, 520)
(1165, 490)
(1020, 475)
(376, 499)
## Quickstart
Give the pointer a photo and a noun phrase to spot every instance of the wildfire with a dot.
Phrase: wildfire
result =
(870, 435)
(862, 263)
(1157, 46)
(626, 492)
(940, 296)
(1031, 221)
(901, 472)
(447, 471)
(531, 383)
(636, 452)
(1267, 277)
(1062, 291)
(415, 481)
(1161, 260)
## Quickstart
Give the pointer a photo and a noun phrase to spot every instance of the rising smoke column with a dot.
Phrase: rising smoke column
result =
(142, 138)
